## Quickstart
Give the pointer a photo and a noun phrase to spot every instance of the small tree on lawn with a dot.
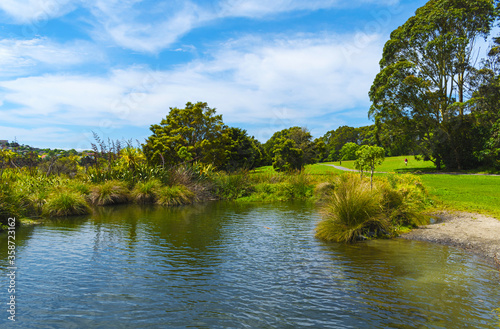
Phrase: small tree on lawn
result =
(368, 157)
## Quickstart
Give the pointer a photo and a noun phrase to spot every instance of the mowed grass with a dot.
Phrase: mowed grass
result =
(396, 164)
(472, 193)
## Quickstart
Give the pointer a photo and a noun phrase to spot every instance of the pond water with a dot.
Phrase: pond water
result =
(224, 265)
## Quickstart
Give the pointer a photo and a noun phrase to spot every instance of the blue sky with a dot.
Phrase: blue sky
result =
(70, 67)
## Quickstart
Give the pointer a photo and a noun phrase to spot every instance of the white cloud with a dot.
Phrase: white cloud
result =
(273, 83)
(145, 30)
(34, 11)
(21, 56)
(150, 28)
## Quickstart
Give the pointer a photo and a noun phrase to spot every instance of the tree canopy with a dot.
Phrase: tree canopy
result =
(196, 128)
(426, 72)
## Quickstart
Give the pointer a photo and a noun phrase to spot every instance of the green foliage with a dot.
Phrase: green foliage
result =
(196, 127)
(291, 149)
(348, 151)
(334, 140)
(175, 196)
(354, 210)
(63, 202)
(233, 186)
(146, 192)
(110, 192)
(425, 71)
(287, 157)
(368, 157)
(241, 150)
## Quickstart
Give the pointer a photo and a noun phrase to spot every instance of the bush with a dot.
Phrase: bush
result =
(146, 192)
(354, 211)
(232, 186)
(63, 202)
(111, 192)
(175, 196)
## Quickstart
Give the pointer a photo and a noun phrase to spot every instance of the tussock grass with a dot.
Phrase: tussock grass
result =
(232, 186)
(63, 202)
(353, 210)
(110, 192)
(175, 196)
(146, 192)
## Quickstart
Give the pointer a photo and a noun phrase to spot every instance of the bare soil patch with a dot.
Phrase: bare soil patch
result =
(476, 233)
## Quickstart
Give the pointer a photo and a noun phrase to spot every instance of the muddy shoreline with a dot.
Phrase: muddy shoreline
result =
(478, 234)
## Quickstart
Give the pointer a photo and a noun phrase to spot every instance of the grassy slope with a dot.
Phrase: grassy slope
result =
(466, 192)
(396, 164)
(471, 193)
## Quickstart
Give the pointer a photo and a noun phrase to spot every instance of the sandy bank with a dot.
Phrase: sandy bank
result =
(473, 232)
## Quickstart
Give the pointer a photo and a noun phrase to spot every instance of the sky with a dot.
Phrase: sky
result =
(115, 67)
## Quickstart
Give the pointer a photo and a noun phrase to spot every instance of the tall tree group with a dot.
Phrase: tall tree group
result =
(431, 91)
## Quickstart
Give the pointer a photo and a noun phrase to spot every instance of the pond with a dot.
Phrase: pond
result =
(227, 265)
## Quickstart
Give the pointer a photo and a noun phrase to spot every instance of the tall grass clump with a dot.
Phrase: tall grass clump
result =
(12, 203)
(63, 202)
(146, 192)
(404, 198)
(232, 186)
(353, 211)
(110, 192)
(175, 196)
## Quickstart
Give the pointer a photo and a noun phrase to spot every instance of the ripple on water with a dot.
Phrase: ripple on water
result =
(242, 266)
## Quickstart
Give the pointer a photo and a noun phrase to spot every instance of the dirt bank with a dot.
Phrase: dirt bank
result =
(473, 232)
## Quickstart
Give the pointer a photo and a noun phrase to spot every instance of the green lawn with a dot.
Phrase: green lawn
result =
(466, 192)
(396, 164)
(473, 193)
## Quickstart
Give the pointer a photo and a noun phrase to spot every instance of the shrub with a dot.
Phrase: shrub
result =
(324, 191)
(146, 192)
(354, 210)
(175, 196)
(232, 186)
(111, 192)
(63, 202)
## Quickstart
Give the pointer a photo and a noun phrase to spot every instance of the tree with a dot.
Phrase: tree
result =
(286, 156)
(291, 148)
(196, 127)
(348, 151)
(486, 106)
(241, 150)
(336, 139)
(368, 157)
(425, 74)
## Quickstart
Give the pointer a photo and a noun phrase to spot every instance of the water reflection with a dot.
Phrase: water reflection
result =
(224, 265)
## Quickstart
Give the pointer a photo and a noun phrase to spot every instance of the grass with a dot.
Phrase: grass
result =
(472, 193)
(110, 192)
(354, 210)
(396, 164)
(175, 196)
(65, 203)
(146, 192)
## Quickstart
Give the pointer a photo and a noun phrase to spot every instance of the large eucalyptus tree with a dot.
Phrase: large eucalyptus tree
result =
(422, 87)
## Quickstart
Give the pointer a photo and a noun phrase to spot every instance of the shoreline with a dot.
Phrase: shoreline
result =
(475, 233)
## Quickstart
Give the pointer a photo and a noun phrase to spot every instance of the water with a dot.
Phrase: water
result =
(225, 265)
